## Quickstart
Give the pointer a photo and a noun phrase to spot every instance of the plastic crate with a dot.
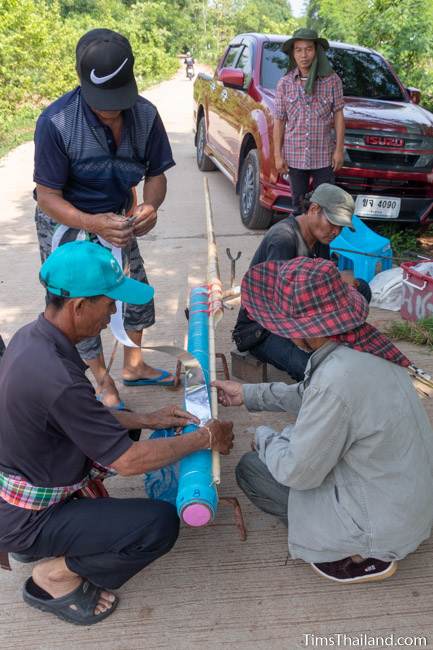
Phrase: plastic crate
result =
(417, 296)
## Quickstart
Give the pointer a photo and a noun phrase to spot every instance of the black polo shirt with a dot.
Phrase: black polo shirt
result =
(282, 242)
(51, 425)
(76, 153)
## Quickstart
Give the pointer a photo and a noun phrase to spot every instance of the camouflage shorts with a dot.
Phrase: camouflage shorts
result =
(136, 317)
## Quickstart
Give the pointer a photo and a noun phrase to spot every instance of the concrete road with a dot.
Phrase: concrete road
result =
(212, 591)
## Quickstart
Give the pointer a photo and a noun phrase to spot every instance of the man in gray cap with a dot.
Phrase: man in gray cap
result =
(308, 105)
(308, 235)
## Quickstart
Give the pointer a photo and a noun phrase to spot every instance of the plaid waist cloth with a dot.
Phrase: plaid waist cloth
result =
(19, 492)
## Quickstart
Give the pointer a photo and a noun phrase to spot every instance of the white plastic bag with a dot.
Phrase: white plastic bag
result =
(425, 268)
(387, 289)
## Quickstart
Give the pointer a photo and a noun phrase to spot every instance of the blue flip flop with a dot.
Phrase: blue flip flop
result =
(156, 381)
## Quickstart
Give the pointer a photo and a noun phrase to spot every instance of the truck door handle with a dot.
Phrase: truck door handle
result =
(224, 95)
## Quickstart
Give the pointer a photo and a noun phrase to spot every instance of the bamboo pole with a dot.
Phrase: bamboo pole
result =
(215, 315)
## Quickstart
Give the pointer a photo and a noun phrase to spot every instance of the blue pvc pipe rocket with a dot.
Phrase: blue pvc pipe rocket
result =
(197, 498)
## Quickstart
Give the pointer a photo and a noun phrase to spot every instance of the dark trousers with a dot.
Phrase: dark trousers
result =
(108, 540)
(300, 181)
(258, 484)
(283, 354)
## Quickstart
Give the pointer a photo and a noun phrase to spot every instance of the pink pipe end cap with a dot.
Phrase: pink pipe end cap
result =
(196, 515)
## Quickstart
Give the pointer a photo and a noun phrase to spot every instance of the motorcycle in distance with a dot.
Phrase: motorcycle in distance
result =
(189, 62)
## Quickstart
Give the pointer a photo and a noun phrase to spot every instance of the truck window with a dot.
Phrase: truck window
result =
(232, 56)
(364, 74)
(274, 65)
(245, 64)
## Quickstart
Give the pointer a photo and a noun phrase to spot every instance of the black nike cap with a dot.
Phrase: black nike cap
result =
(105, 65)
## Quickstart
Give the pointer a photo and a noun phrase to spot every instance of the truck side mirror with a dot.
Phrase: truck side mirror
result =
(232, 78)
(414, 94)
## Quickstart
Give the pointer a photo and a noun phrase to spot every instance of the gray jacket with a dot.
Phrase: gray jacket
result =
(359, 458)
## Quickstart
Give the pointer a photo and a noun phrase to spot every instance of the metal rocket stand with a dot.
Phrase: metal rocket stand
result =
(233, 261)
(233, 292)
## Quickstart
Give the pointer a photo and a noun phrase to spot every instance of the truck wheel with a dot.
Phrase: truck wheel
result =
(253, 215)
(204, 163)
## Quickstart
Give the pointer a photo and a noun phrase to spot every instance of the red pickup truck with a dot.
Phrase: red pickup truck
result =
(389, 137)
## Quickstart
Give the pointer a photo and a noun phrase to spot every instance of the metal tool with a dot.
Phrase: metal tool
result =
(233, 261)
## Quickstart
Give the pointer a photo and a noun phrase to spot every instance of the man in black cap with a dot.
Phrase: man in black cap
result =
(329, 210)
(92, 146)
(308, 104)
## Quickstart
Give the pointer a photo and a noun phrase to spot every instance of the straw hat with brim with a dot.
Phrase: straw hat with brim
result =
(304, 34)
(302, 298)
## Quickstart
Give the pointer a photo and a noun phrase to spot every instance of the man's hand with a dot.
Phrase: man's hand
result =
(113, 228)
(280, 165)
(168, 417)
(222, 436)
(230, 393)
(337, 159)
(347, 277)
(145, 219)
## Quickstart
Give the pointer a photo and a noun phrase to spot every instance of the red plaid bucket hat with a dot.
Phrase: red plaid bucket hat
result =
(307, 298)
(302, 298)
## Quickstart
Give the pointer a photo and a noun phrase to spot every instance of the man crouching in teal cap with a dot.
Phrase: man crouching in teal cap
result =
(55, 438)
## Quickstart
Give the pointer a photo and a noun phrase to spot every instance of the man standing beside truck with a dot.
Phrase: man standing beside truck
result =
(308, 103)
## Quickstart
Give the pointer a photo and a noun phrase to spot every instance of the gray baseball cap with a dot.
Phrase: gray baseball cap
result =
(336, 203)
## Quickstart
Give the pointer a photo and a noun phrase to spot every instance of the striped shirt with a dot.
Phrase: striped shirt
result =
(308, 140)
(76, 153)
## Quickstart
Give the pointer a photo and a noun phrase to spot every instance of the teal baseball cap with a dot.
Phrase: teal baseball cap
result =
(81, 269)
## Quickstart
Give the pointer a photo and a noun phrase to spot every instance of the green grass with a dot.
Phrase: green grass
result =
(17, 129)
(419, 332)
(404, 239)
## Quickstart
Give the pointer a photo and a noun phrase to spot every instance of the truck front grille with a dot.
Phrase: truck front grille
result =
(384, 186)
(381, 159)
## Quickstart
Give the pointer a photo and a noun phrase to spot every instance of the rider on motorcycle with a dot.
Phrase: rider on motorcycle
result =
(189, 64)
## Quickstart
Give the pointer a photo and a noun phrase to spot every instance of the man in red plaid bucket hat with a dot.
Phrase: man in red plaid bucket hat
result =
(353, 476)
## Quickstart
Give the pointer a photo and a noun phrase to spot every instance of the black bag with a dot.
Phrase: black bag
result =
(248, 334)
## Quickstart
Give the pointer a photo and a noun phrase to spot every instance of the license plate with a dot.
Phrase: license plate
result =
(377, 207)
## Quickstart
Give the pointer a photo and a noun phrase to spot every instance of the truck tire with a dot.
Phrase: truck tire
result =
(253, 215)
(204, 163)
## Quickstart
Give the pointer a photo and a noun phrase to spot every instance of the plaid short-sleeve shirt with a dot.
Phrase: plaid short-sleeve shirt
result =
(308, 142)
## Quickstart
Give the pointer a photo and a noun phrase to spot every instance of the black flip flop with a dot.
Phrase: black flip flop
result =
(78, 607)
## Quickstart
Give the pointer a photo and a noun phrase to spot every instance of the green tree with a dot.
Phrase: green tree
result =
(403, 34)
(401, 31)
(337, 20)
(262, 16)
(223, 19)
